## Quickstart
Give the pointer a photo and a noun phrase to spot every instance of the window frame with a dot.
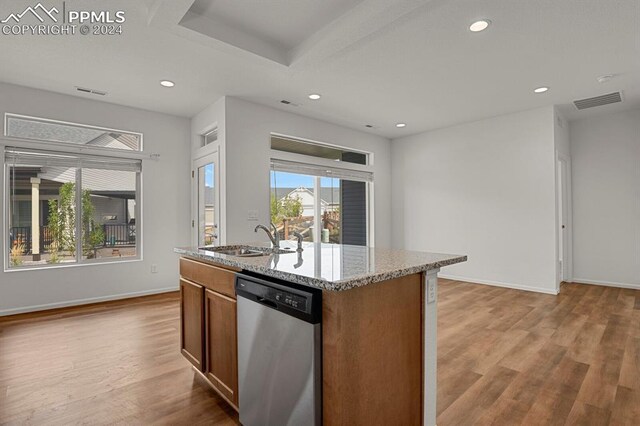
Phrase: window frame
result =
(55, 147)
(331, 164)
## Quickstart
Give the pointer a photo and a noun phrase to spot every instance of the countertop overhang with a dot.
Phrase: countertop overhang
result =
(334, 267)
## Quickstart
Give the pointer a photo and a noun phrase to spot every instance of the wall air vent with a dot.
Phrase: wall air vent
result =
(91, 91)
(610, 98)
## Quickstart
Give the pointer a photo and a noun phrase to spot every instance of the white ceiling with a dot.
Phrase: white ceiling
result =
(285, 23)
(374, 61)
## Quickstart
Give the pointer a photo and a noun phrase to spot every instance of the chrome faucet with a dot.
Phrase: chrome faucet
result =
(300, 238)
(274, 237)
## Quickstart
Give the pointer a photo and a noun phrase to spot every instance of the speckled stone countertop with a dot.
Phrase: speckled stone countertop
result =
(330, 266)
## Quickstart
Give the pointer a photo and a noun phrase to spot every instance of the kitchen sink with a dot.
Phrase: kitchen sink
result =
(244, 251)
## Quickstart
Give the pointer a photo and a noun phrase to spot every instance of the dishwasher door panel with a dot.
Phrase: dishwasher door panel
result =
(279, 367)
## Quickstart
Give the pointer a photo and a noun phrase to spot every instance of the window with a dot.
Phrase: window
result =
(38, 129)
(322, 203)
(314, 149)
(210, 137)
(64, 207)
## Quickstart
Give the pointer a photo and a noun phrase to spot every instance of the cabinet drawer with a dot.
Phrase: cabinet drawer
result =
(212, 277)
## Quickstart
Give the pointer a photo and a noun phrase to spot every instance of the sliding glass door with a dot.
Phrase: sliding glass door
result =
(328, 206)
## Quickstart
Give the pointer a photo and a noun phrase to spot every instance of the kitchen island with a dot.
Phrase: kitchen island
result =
(379, 322)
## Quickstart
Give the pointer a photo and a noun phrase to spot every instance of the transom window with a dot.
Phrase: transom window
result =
(315, 149)
(39, 129)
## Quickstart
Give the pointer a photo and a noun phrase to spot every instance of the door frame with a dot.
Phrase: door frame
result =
(564, 213)
(209, 157)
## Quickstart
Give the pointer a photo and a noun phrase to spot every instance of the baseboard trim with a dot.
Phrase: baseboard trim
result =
(87, 301)
(499, 284)
(606, 283)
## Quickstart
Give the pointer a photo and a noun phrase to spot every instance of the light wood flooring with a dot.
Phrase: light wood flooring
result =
(506, 357)
(110, 363)
(509, 357)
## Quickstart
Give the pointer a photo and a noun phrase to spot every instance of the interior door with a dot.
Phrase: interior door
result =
(563, 216)
(206, 200)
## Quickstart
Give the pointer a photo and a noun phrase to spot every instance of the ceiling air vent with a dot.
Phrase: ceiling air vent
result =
(610, 98)
(91, 91)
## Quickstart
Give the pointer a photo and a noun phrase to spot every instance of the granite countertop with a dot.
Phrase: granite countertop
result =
(330, 266)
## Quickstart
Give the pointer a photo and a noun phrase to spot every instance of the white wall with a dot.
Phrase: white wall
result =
(248, 130)
(561, 134)
(485, 189)
(605, 154)
(165, 207)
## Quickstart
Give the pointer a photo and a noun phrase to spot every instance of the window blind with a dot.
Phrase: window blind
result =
(323, 171)
(49, 159)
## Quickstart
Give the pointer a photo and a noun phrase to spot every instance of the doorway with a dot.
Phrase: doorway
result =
(564, 221)
(206, 200)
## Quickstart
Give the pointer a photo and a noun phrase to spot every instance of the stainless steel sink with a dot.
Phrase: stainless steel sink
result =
(244, 251)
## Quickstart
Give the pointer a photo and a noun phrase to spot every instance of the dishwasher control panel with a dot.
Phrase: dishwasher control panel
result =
(293, 300)
(300, 302)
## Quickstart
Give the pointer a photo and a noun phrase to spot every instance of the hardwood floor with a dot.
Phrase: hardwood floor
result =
(110, 363)
(509, 357)
(505, 357)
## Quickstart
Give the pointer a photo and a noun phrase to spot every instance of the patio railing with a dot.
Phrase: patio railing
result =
(22, 234)
(114, 235)
(119, 235)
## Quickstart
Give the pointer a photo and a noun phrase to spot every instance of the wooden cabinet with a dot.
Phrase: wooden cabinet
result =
(221, 344)
(191, 322)
(212, 277)
(372, 354)
(208, 324)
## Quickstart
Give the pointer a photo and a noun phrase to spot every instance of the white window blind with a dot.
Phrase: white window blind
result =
(15, 156)
(323, 171)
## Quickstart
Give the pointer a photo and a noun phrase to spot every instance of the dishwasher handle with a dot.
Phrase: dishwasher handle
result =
(266, 302)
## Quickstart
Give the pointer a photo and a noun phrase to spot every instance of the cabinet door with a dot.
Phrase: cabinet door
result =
(192, 322)
(221, 344)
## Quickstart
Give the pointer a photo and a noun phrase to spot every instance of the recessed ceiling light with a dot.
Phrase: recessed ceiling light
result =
(480, 25)
(401, 125)
(167, 83)
(541, 89)
(314, 96)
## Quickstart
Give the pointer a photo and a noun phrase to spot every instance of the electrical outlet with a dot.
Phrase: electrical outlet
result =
(154, 268)
(431, 291)
(252, 215)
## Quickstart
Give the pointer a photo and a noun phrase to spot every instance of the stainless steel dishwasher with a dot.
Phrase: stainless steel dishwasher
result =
(279, 353)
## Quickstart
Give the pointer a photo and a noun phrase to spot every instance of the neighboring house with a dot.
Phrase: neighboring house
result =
(112, 195)
(329, 198)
